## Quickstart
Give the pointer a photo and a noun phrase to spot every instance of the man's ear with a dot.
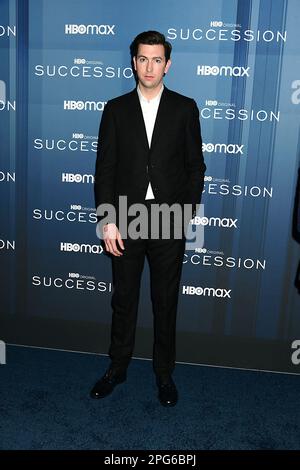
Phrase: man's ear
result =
(168, 65)
(134, 63)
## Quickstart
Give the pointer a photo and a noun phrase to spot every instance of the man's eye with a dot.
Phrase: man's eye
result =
(158, 61)
(142, 59)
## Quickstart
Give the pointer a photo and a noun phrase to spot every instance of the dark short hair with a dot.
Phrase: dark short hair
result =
(151, 38)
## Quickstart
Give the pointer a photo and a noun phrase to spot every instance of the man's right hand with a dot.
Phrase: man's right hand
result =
(111, 236)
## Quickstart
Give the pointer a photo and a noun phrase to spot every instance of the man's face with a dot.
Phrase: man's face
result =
(150, 65)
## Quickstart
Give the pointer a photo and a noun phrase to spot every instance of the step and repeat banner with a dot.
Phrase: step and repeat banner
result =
(60, 62)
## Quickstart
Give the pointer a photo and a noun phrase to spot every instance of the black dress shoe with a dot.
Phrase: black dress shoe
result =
(167, 392)
(107, 383)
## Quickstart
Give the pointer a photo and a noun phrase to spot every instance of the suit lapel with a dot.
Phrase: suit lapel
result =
(136, 115)
(161, 117)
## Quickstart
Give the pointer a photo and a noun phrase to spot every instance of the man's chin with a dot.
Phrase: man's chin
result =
(149, 85)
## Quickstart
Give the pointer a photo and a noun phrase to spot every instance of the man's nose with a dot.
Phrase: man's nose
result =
(149, 66)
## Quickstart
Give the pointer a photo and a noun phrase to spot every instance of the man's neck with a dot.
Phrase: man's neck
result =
(150, 93)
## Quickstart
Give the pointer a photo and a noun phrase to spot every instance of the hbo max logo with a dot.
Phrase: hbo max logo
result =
(80, 248)
(77, 178)
(72, 105)
(206, 291)
(233, 149)
(223, 71)
(211, 102)
(102, 29)
(216, 24)
(74, 275)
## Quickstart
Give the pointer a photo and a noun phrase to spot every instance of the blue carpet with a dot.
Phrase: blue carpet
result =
(45, 404)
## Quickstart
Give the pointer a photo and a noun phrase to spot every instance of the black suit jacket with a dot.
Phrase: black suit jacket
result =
(174, 164)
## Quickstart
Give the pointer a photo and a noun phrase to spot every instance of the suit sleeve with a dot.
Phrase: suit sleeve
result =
(194, 158)
(104, 185)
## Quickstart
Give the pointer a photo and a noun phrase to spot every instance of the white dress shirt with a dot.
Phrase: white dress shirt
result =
(149, 109)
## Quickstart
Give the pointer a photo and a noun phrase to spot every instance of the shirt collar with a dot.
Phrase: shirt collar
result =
(154, 100)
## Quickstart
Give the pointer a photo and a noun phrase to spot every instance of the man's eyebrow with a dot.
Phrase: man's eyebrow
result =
(155, 57)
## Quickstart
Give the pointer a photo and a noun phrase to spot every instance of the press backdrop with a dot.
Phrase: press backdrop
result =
(60, 62)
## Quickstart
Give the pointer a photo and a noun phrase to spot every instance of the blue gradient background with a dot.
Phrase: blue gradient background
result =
(264, 304)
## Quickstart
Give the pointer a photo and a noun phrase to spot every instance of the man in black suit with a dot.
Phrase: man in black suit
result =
(150, 151)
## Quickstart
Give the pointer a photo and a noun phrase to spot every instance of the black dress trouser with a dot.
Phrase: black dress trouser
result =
(165, 257)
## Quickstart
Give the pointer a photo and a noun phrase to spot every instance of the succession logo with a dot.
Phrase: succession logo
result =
(83, 68)
(78, 143)
(220, 31)
(73, 281)
(7, 244)
(214, 109)
(7, 176)
(76, 213)
(90, 29)
(220, 261)
(6, 31)
(223, 187)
